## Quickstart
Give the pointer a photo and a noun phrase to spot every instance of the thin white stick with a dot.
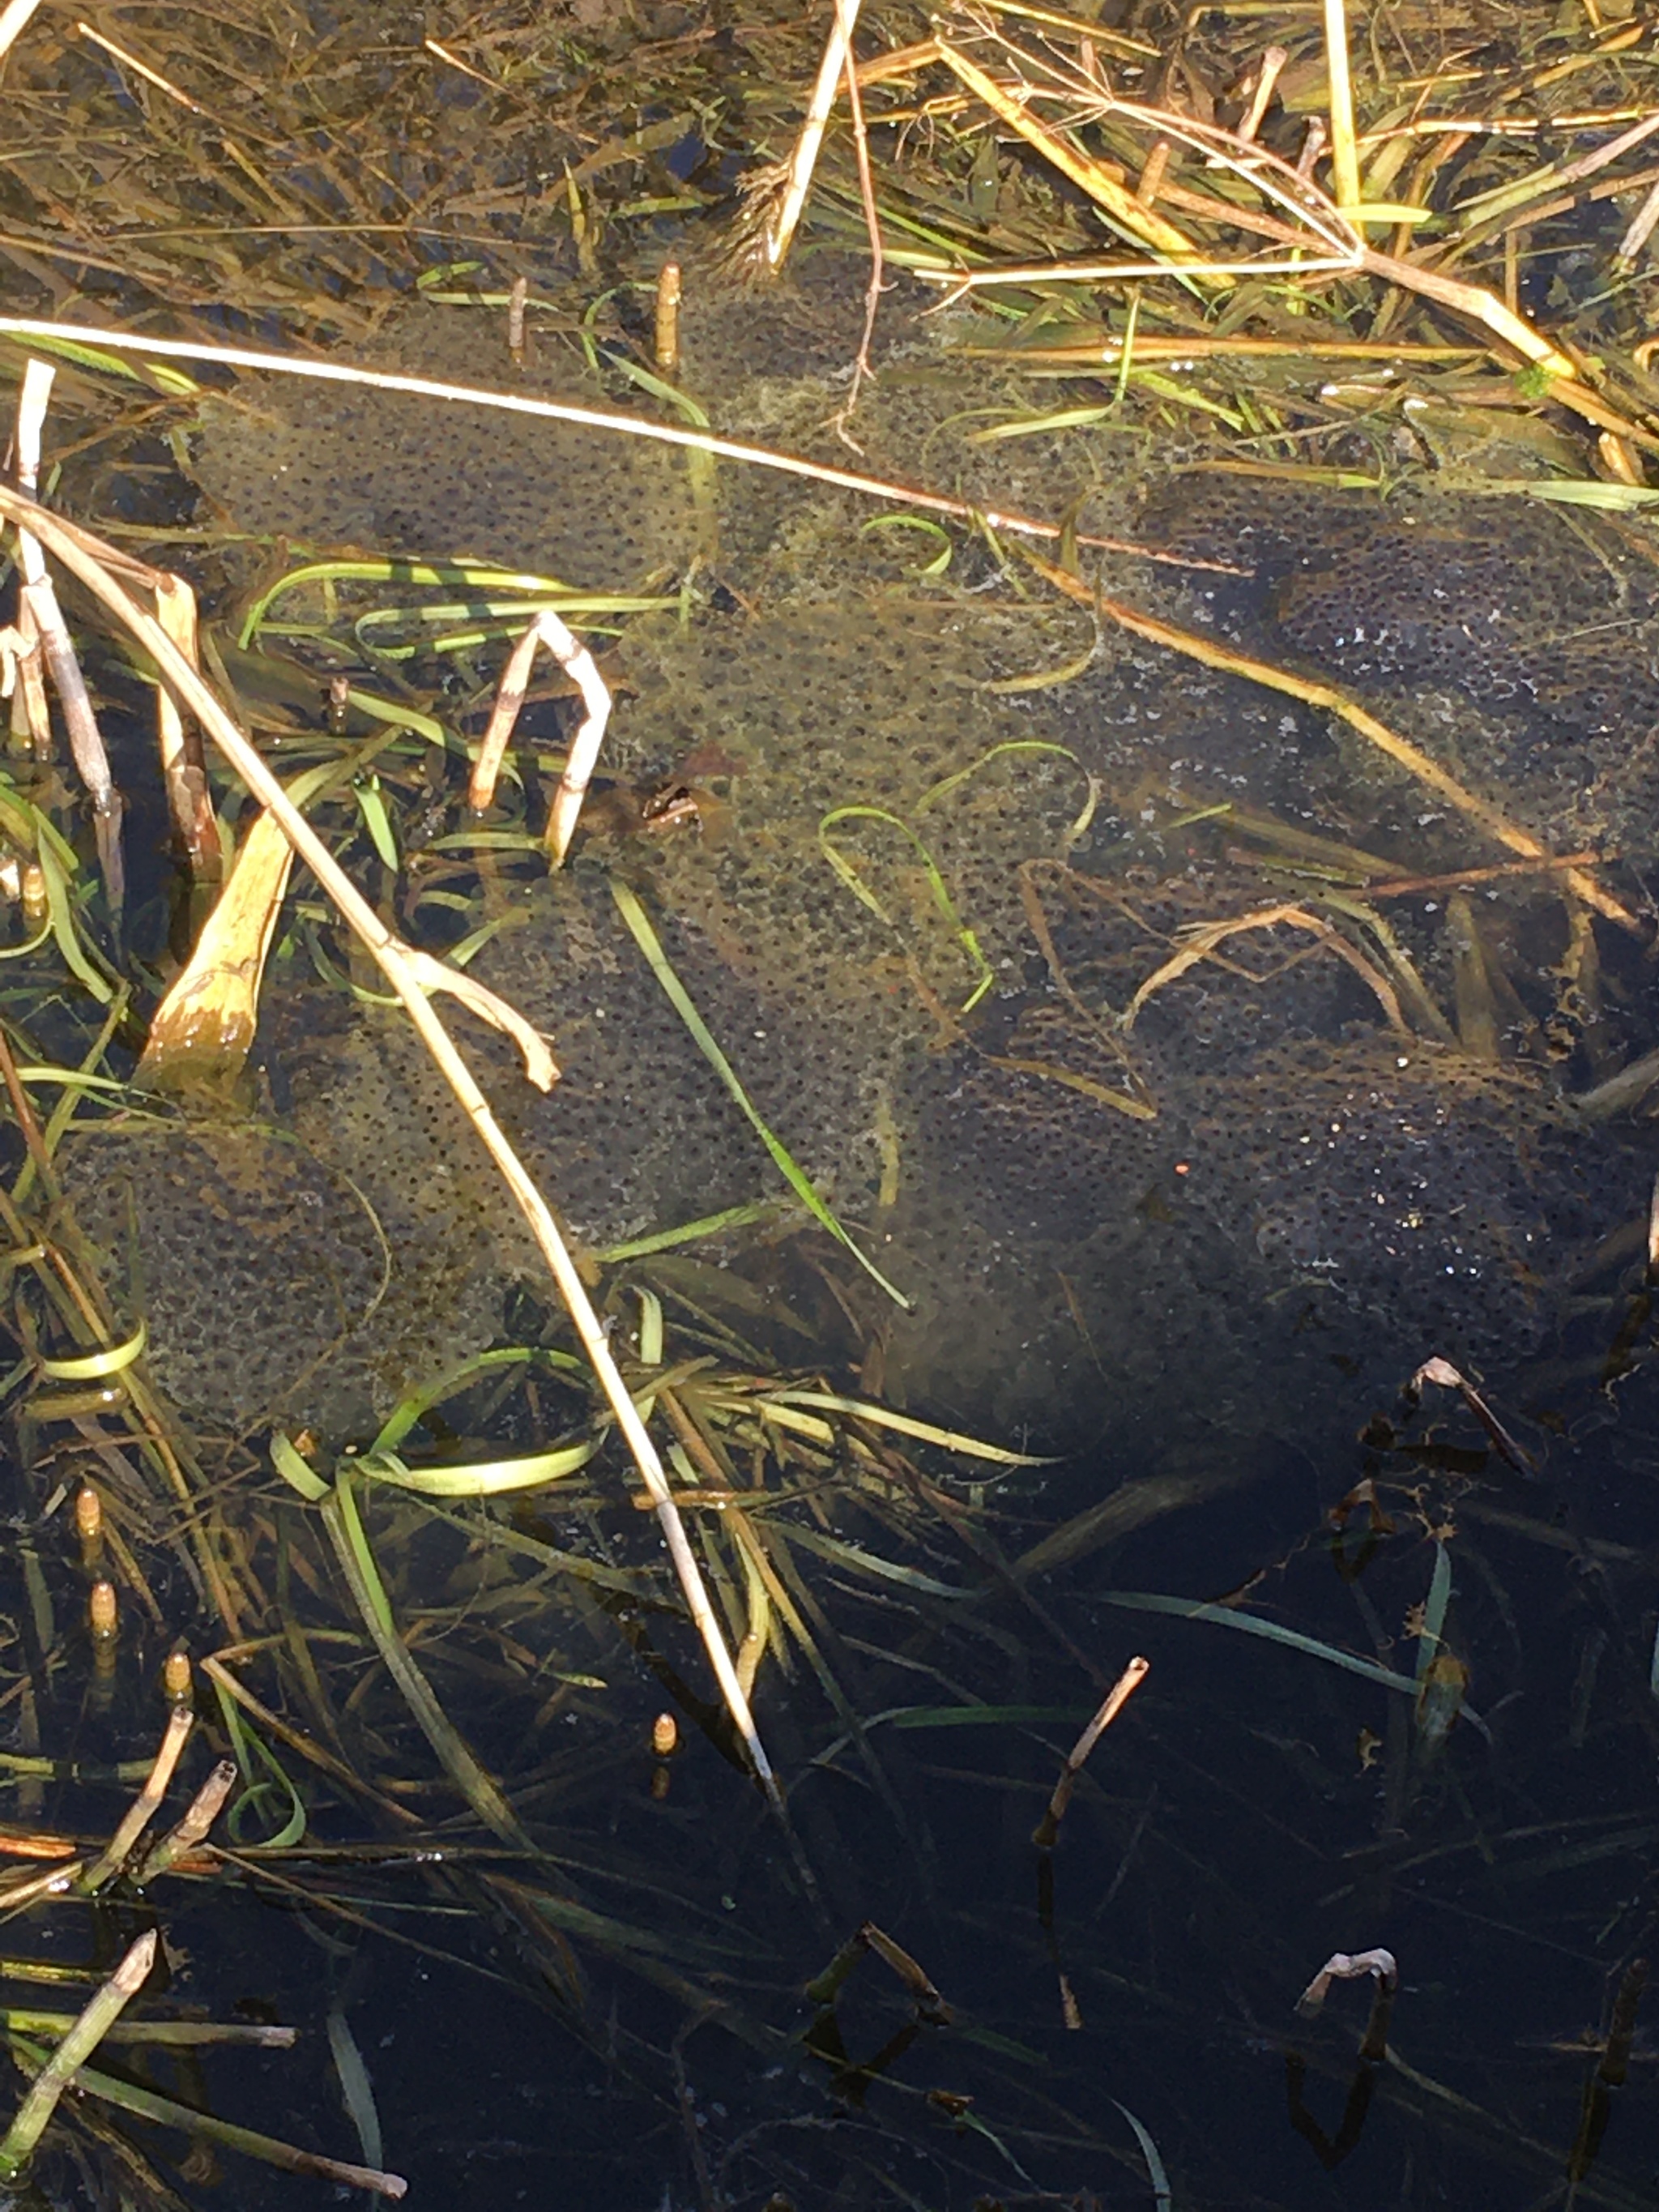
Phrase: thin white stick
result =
(578, 664)
(76, 549)
(555, 411)
(804, 160)
(14, 19)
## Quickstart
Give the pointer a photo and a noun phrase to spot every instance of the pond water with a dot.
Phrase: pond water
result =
(1185, 1066)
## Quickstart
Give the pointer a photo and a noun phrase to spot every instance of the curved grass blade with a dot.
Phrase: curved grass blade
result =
(296, 1470)
(95, 1366)
(849, 875)
(712, 1224)
(1434, 1611)
(1156, 2173)
(388, 570)
(60, 907)
(410, 1410)
(650, 944)
(489, 1478)
(870, 1562)
(1252, 1624)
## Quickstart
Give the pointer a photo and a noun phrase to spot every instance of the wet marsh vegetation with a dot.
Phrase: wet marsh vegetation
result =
(1032, 854)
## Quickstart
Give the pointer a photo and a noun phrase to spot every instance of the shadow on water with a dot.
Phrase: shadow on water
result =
(1104, 1108)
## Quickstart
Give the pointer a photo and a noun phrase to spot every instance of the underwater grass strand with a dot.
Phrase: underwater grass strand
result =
(352, 1549)
(1252, 1624)
(650, 945)
(984, 976)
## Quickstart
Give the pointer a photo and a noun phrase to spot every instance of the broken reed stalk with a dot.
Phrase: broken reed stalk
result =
(579, 665)
(1334, 700)
(82, 2039)
(1048, 1829)
(145, 1805)
(797, 175)
(86, 738)
(411, 976)
(593, 418)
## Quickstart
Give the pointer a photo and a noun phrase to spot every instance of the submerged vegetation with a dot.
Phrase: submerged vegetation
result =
(831, 843)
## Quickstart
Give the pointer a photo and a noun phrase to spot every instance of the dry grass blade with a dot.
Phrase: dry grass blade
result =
(406, 979)
(1117, 1696)
(1313, 693)
(1200, 943)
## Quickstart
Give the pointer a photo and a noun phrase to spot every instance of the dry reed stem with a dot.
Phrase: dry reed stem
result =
(797, 175)
(593, 418)
(1344, 158)
(411, 982)
(86, 738)
(1334, 700)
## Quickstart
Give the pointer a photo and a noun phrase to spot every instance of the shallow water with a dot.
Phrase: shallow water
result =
(1197, 1257)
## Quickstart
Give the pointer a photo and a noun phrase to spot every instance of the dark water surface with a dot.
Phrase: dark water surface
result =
(1205, 1314)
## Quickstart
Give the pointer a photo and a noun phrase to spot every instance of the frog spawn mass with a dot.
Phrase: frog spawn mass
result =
(922, 995)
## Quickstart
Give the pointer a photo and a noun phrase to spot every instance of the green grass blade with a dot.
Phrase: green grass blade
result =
(411, 1410)
(951, 1440)
(351, 1548)
(871, 1564)
(1434, 1611)
(650, 944)
(371, 805)
(1156, 2173)
(1251, 1624)
(712, 1224)
(60, 907)
(936, 883)
(490, 1478)
(148, 2106)
(296, 1470)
